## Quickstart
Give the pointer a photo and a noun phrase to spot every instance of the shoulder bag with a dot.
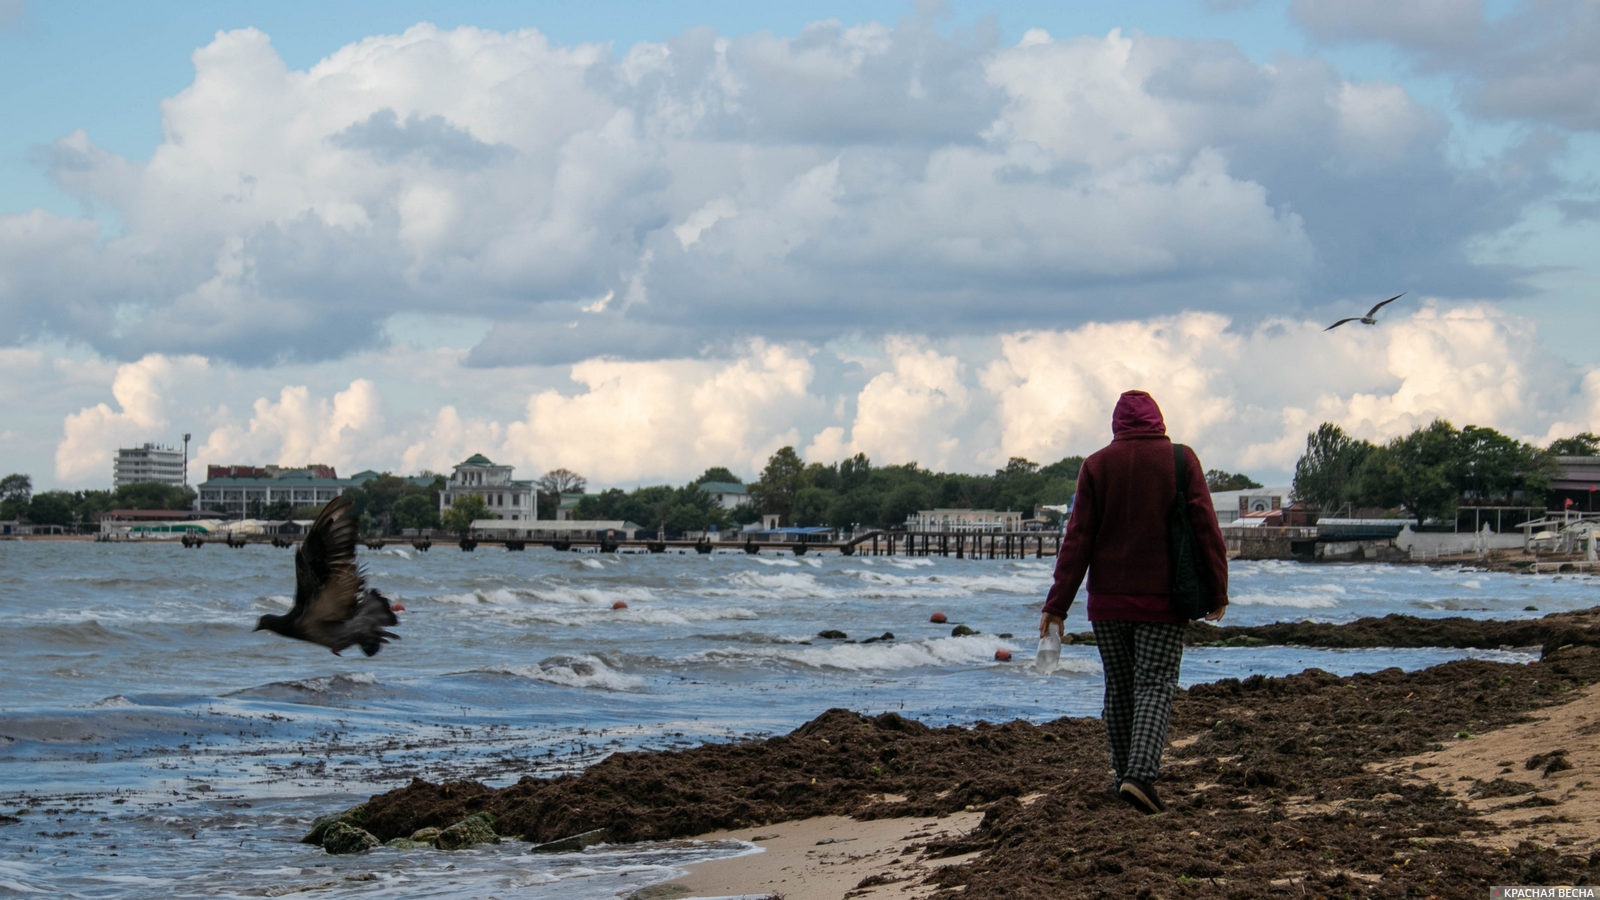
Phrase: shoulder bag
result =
(1190, 596)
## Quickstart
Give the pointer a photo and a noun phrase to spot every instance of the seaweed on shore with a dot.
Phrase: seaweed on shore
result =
(1269, 782)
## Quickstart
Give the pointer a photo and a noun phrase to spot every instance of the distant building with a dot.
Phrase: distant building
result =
(1232, 505)
(247, 491)
(149, 464)
(1575, 484)
(963, 520)
(506, 498)
(726, 494)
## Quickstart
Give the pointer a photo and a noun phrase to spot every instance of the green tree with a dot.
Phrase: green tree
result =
(461, 514)
(1494, 468)
(718, 475)
(1218, 480)
(416, 511)
(51, 508)
(1585, 444)
(811, 506)
(781, 480)
(150, 495)
(376, 498)
(1416, 472)
(904, 500)
(1326, 475)
(89, 506)
(855, 472)
(551, 485)
(278, 510)
(16, 490)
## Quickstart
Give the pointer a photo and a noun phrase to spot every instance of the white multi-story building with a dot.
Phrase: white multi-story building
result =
(726, 494)
(149, 463)
(506, 498)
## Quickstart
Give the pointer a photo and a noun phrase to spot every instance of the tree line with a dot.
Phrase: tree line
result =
(1431, 472)
(846, 494)
(69, 509)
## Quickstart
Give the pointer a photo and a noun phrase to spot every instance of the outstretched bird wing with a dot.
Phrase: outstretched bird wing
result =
(1374, 311)
(1341, 322)
(328, 582)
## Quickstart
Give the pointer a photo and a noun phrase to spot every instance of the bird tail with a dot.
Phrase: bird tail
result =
(373, 613)
(372, 643)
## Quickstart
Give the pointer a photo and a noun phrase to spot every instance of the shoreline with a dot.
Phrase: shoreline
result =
(1309, 782)
(1503, 561)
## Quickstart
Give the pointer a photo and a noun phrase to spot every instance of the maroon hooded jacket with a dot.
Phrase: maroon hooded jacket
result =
(1118, 530)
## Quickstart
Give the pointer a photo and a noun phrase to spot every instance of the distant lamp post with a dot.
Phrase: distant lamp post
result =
(186, 460)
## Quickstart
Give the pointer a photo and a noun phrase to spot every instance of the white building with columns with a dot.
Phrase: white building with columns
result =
(505, 497)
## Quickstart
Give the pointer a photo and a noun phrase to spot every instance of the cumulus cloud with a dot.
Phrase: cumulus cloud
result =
(724, 189)
(1244, 395)
(144, 394)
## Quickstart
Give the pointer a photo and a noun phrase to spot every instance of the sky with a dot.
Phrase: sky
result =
(639, 240)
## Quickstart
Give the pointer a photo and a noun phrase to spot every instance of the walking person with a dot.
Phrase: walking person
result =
(1117, 536)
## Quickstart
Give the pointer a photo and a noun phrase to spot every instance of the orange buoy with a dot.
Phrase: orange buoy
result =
(938, 618)
(619, 605)
(398, 607)
(1002, 655)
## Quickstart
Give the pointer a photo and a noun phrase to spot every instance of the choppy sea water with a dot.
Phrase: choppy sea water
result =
(151, 744)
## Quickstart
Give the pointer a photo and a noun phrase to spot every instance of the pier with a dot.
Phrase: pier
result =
(960, 545)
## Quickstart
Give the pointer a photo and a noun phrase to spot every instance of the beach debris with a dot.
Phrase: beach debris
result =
(1552, 762)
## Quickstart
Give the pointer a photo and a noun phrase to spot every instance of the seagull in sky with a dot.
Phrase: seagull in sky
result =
(1367, 319)
(332, 604)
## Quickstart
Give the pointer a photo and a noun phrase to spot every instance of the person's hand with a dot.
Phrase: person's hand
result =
(1216, 614)
(1048, 621)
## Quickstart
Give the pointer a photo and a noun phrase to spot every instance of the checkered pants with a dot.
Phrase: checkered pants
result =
(1141, 661)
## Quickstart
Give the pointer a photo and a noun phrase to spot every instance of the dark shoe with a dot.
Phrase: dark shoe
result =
(1141, 795)
(1115, 790)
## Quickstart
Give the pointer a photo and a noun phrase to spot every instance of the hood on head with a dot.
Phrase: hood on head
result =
(1137, 413)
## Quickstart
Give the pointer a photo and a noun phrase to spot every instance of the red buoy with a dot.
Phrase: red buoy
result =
(398, 607)
(619, 605)
(938, 618)
(1002, 655)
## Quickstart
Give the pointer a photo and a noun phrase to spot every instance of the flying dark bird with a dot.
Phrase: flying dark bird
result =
(1367, 319)
(332, 604)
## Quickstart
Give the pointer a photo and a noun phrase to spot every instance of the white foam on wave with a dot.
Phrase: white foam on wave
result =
(579, 672)
(772, 586)
(1322, 596)
(332, 684)
(882, 656)
(492, 596)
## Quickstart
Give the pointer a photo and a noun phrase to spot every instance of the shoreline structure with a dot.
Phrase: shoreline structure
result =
(1001, 545)
(1437, 782)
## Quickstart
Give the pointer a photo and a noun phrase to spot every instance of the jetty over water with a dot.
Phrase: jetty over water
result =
(960, 545)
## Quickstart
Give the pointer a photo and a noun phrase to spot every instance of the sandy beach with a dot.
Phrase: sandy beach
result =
(1439, 782)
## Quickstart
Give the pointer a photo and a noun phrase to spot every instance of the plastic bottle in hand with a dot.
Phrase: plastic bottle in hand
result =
(1049, 654)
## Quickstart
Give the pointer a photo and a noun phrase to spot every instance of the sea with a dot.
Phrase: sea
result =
(153, 745)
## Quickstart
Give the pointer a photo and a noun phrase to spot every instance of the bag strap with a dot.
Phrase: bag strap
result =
(1180, 465)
